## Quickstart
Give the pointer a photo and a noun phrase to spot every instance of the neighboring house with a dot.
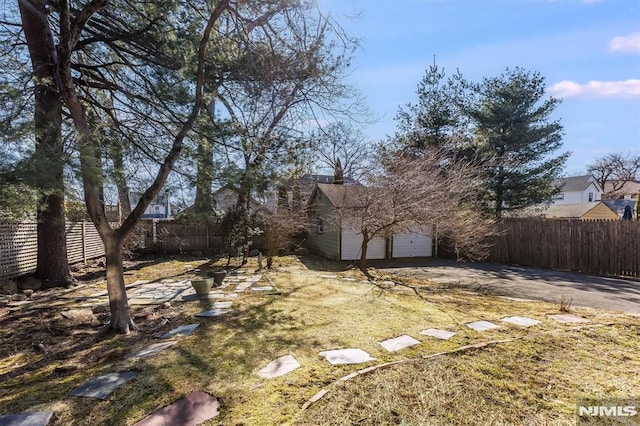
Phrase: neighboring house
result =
(618, 206)
(225, 200)
(307, 184)
(159, 208)
(334, 240)
(577, 211)
(628, 191)
(577, 189)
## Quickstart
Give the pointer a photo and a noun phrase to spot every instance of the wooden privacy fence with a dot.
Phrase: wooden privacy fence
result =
(603, 247)
(19, 246)
(172, 237)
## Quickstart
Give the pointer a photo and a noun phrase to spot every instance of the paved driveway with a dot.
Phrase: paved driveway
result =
(527, 283)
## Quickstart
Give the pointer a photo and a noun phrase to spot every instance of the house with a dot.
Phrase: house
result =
(225, 200)
(332, 238)
(159, 208)
(577, 189)
(628, 191)
(576, 211)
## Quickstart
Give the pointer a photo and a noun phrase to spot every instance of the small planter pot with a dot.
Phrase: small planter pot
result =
(202, 286)
(218, 276)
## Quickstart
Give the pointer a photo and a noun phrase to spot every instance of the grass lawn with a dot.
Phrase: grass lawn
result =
(534, 379)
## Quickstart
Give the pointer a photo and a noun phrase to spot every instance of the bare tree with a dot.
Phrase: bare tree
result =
(615, 169)
(429, 190)
(346, 143)
(280, 228)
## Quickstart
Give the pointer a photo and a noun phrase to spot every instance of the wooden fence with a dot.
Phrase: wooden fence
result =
(603, 247)
(19, 246)
(172, 237)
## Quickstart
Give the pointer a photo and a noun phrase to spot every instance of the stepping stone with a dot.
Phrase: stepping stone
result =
(349, 279)
(265, 288)
(254, 279)
(222, 305)
(482, 325)
(279, 367)
(152, 350)
(438, 334)
(194, 409)
(209, 296)
(398, 343)
(183, 330)
(26, 419)
(328, 276)
(242, 287)
(346, 356)
(103, 386)
(521, 321)
(567, 318)
(213, 313)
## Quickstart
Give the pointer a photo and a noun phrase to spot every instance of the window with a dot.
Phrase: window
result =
(557, 197)
(591, 197)
(320, 227)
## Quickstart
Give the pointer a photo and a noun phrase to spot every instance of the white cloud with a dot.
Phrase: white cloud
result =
(625, 44)
(596, 89)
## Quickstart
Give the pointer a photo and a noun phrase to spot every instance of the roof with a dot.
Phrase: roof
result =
(341, 196)
(570, 211)
(575, 183)
(619, 205)
(628, 188)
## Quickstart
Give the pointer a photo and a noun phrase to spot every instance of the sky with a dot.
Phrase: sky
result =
(587, 50)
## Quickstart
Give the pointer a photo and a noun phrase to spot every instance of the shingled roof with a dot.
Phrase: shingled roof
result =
(575, 183)
(344, 196)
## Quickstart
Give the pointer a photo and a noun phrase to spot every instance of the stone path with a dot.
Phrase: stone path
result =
(346, 356)
(103, 386)
(26, 419)
(279, 367)
(199, 406)
(194, 409)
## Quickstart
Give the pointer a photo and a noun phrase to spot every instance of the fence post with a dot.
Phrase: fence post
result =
(84, 242)
(154, 230)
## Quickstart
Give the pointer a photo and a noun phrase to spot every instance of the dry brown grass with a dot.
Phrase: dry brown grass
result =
(534, 379)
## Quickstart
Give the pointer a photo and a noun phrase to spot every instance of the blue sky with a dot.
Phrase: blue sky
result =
(588, 51)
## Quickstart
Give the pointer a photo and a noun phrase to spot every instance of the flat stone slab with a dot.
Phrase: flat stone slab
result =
(482, 325)
(399, 343)
(279, 367)
(40, 418)
(521, 321)
(349, 279)
(213, 313)
(438, 334)
(193, 409)
(263, 288)
(328, 276)
(183, 330)
(568, 318)
(209, 296)
(152, 350)
(103, 386)
(222, 305)
(253, 279)
(346, 356)
(243, 286)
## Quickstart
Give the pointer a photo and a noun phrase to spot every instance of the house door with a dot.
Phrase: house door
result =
(351, 243)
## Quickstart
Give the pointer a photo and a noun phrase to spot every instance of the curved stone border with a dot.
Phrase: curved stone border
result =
(324, 391)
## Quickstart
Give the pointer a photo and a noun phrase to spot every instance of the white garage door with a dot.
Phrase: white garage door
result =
(411, 244)
(352, 242)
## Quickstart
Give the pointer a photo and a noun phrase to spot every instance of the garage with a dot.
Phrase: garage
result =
(411, 244)
(351, 243)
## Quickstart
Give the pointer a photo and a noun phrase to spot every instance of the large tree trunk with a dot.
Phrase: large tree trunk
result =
(52, 264)
(120, 317)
